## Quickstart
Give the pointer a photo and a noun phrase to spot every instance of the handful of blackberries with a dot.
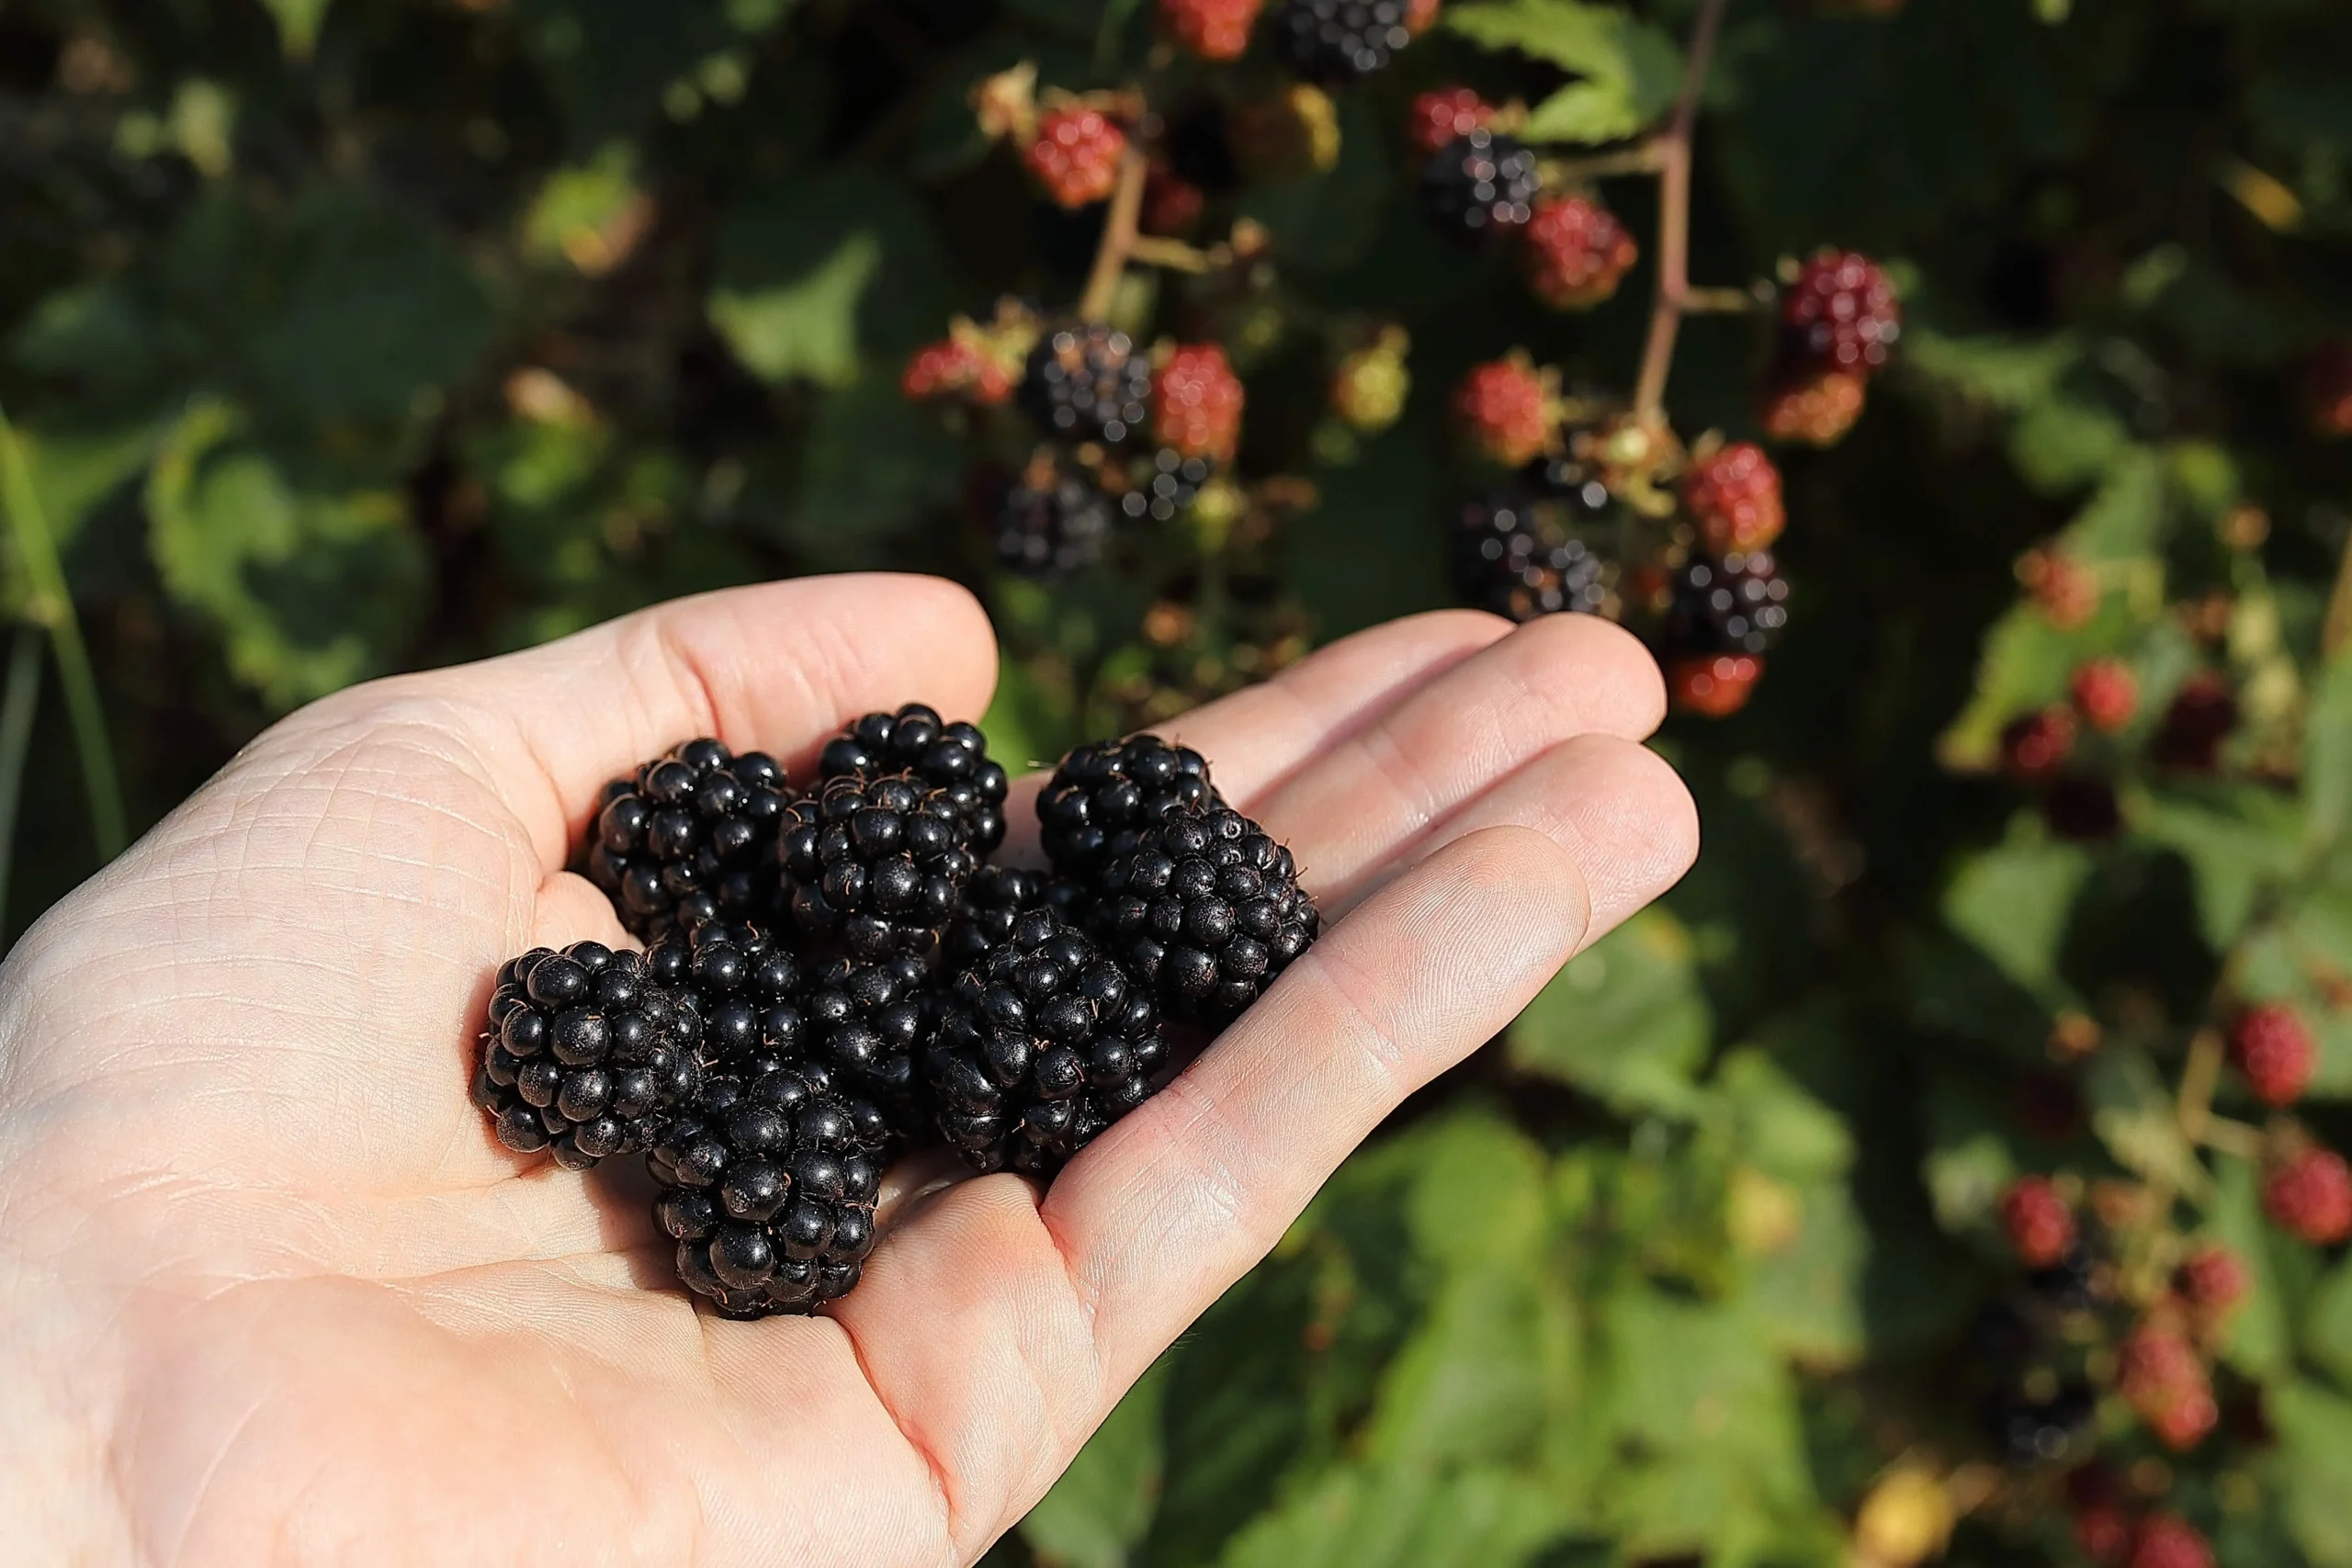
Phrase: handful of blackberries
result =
(838, 977)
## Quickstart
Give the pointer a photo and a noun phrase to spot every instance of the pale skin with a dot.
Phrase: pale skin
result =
(271, 1292)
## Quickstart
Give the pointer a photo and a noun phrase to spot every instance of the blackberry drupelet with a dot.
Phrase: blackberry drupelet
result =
(1733, 603)
(744, 984)
(1102, 796)
(1208, 911)
(994, 902)
(1163, 485)
(688, 837)
(1509, 558)
(1044, 1043)
(1337, 41)
(1479, 185)
(1050, 522)
(950, 757)
(585, 1053)
(867, 1025)
(1088, 383)
(874, 864)
(767, 1186)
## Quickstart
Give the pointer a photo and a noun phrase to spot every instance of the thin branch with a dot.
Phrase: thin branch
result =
(1674, 220)
(1643, 158)
(1149, 250)
(2199, 1077)
(1118, 239)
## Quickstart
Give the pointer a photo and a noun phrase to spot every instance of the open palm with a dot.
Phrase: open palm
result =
(269, 1292)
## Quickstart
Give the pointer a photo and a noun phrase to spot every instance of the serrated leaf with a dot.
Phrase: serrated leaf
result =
(806, 326)
(2328, 754)
(1631, 70)
(2257, 1340)
(2313, 1468)
(2131, 1111)
(1626, 1021)
(2009, 373)
(2238, 845)
(1102, 1506)
(1404, 1517)
(2013, 901)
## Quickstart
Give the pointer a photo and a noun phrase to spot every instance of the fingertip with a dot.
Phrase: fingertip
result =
(1626, 690)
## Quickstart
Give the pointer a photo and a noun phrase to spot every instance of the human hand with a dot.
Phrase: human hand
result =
(270, 1291)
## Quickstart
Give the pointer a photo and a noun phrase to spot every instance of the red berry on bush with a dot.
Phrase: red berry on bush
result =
(2163, 1379)
(2310, 1195)
(2039, 1225)
(1505, 409)
(1575, 253)
(1840, 313)
(955, 367)
(2274, 1050)
(2066, 591)
(1734, 495)
(1420, 15)
(1811, 407)
(1172, 204)
(2103, 1531)
(1213, 29)
(2037, 745)
(1447, 115)
(2213, 1280)
(2167, 1541)
(2324, 386)
(2106, 694)
(1196, 403)
(1715, 685)
(1076, 156)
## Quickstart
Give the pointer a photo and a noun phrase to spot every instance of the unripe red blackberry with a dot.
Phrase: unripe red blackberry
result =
(689, 838)
(1446, 115)
(2064, 590)
(1208, 911)
(1196, 403)
(767, 1185)
(2273, 1049)
(1088, 383)
(952, 758)
(2213, 1280)
(2167, 1541)
(2309, 1194)
(1336, 42)
(1575, 253)
(1841, 314)
(2103, 1531)
(1213, 29)
(2160, 1375)
(1076, 156)
(2036, 745)
(2323, 387)
(956, 367)
(1713, 686)
(1481, 186)
(1045, 1042)
(1511, 559)
(2041, 1226)
(1506, 411)
(1733, 603)
(1734, 495)
(585, 1053)
(1103, 797)
(2106, 694)
(1811, 408)
(2202, 716)
(1172, 205)
(874, 864)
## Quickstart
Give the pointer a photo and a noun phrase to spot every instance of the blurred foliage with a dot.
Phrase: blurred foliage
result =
(351, 335)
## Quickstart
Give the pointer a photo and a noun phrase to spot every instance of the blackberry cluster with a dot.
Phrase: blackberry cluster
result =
(874, 864)
(1732, 604)
(1045, 1044)
(866, 1022)
(585, 1053)
(952, 758)
(1088, 383)
(1050, 522)
(745, 986)
(688, 837)
(1103, 797)
(1334, 42)
(1208, 911)
(1509, 559)
(1479, 185)
(767, 1185)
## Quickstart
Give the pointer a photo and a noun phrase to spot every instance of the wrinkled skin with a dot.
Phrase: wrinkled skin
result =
(271, 1292)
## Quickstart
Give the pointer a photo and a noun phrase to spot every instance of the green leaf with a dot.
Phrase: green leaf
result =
(298, 23)
(1368, 552)
(2313, 1468)
(873, 465)
(806, 326)
(2257, 1339)
(2239, 844)
(1330, 220)
(2013, 902)
(1626, 1021)
(1404, 1517)
(1100, 1509)
(2009, 373)
(1630, 70)
(2132, 1112)
(2327, 753)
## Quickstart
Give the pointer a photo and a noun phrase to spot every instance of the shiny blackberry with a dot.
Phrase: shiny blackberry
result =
(1334, 42)
(1104, 795)
(1208, 911)
(1164, 485)
(1050, 523)
(1732, 604)
(867, 1025)
(949, 757)
(745, 987)
(584, 1054)
(767, 1186)
(1088, 383)
(688, 837)
(1511, 558)
(994, 902)
(874, 864)
(1043, 1044)
(1481, 186)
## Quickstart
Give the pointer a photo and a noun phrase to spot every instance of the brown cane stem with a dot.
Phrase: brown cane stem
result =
(1118, 239)
(1674, 222)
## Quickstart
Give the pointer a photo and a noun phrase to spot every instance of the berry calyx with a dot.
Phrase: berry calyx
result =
(2167, 1541)
(2309, 1195)
(1447, 116)
(1841, 314)
(2038, 744)
(1715, 685)
(1075, 155)
(1213, 29)
(2160, 1376)
(2106, 694)
(2273, 1050)
(1575, 253)
(1196, 403)
(2041, 1226)
(1811, 407)
(1734, 495)
(2213, 1280)
(1507, 409)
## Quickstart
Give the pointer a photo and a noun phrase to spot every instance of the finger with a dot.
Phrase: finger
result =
(1001, 1331)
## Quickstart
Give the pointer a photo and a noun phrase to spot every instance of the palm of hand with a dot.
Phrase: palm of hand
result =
(270, 1290)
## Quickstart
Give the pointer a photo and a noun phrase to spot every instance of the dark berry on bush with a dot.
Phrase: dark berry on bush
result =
(1050, 523)
(949, 757)
(1102, 796)
(1208, 911)
(689, 837)
(1733, 603)
(1481, 186)
(1164, 484)
(874, 863)
(2201, 716)
(767, 1186)
(1337, 41)
(1512, 558)
(1088, 383)
(2041, 1431)
(584, 1054)
(1044, 1043)
(744, 984)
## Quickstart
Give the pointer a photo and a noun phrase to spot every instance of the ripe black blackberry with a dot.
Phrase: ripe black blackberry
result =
(1732, 604)
(867, 1025)
(1050, 522)
(1088, 383)
(1511, 559)
(1045, 1043)
(876, 864)
(745, 987)
(1479, 185)
(1104, 795)
(688, 837)
(767, 1186)
(996, 899)
(1163, 485)
(1334, 42)
(1208, 911)
(949, 757)
(2041, 1431)
(586, 1052)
